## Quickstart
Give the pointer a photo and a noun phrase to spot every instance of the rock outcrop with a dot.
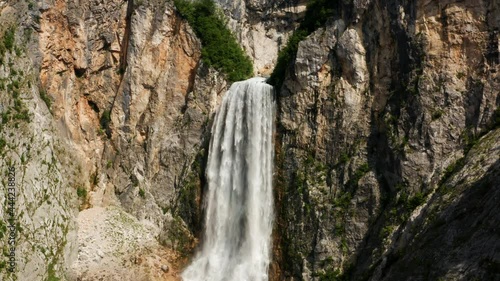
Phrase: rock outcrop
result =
(387, 140)
(377, 112)
(263, 27)
(39, 179)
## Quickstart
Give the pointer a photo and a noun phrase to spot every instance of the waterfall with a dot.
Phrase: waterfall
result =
(239, 201)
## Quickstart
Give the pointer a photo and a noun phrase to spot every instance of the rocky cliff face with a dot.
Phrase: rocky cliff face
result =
(387, 138)
(116, 90)
(143, 103)
(382, 118)
(37, 218)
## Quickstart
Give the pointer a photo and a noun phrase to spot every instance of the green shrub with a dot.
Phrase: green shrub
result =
(8, 38)
(3, 143)
(23, 115)
(51, 272)
(6, 43)
(358, 174)
(81, 192)
(386, 231)
(18, 105)
(5, 117)
(105, 118)
(460, 75)
(344, 158)
(16, 94)
(496, 118)
(416, 201)
(342, 201)
(401, 208)
(219, 46)
(331, 275)
(105, 121)
(451, 169)
(437, 114)
(142, 193)
(317, 13)
(186, 9)
(46, 99)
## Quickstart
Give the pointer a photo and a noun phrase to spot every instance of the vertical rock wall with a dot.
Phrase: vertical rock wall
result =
(376, 110)
(117, 90)
(263, 27)
(38, 178)
(387, 137)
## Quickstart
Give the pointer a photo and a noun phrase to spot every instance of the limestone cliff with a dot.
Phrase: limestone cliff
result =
(387, 144)
(263, 27)
(388, 130)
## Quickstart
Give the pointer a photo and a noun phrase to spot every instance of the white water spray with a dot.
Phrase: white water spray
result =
(239, 200)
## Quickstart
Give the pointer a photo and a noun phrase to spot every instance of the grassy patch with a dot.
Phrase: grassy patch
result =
(386, 231)
(460, 75)
(179, 237)
(342, 201)
(496, 118)
(285, 57)
(358, 174)
(7, 42)
(219, 46)
(46, 99)
(105, 121)
(142, 193)
(330, 275)
(437, 114)
(8, 38)
(448, 172)
(404, 206)
(3, 229)
(52, 273)
(344, 158)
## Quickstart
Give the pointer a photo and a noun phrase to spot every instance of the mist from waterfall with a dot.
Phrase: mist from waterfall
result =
(236, 245)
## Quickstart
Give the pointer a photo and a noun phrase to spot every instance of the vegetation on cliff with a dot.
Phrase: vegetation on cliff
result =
(7, 42)
(317, 13)
(219, 46)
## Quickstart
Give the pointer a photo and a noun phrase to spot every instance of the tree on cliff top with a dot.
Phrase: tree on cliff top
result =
(219, 46)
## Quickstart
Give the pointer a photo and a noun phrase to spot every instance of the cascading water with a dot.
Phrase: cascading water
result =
(239, 200)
